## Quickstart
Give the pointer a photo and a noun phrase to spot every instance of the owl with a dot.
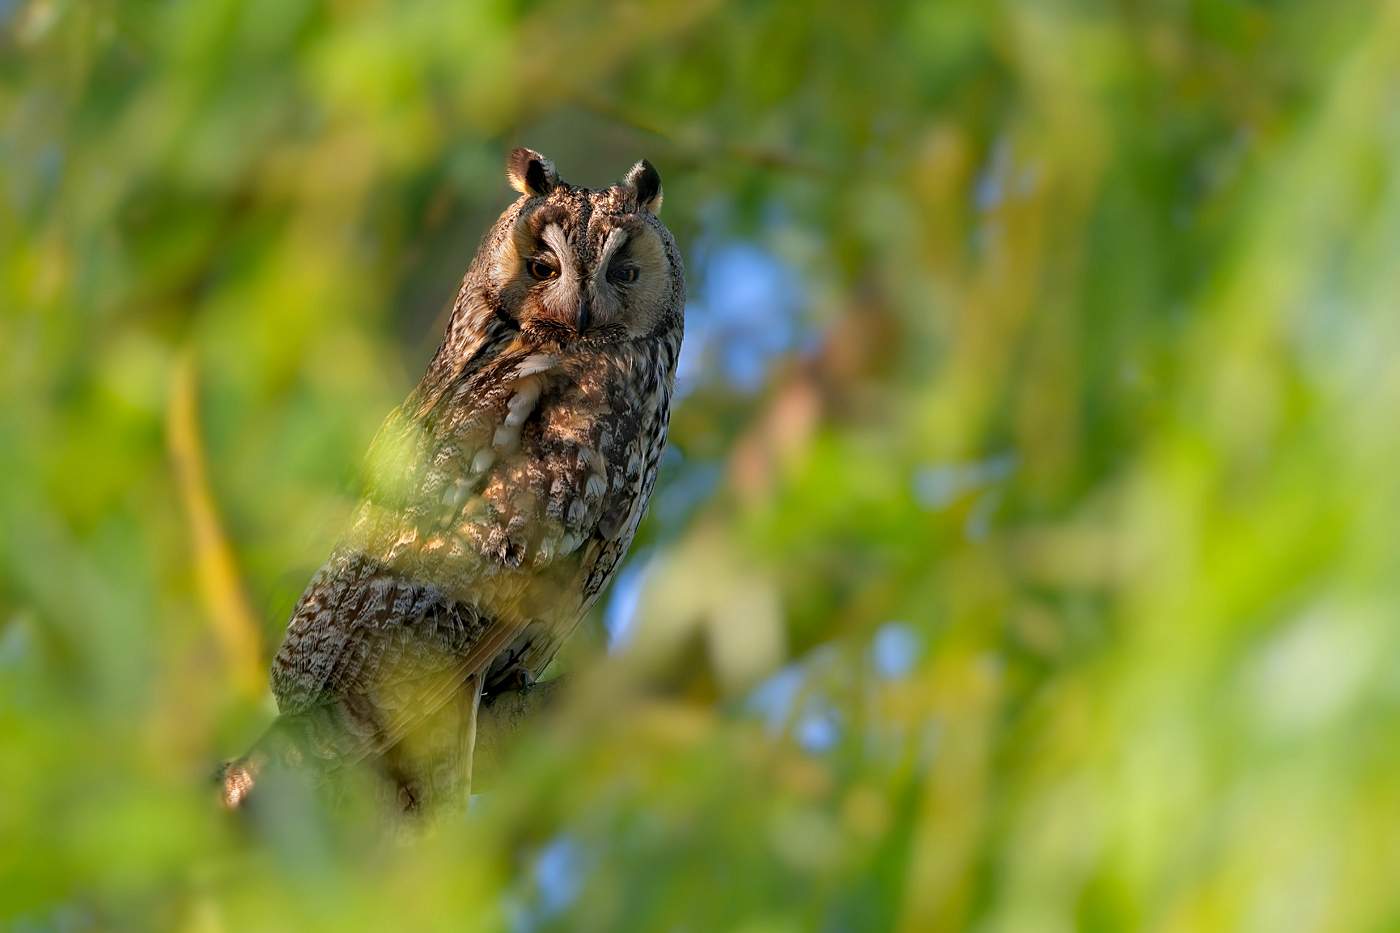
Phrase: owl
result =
(498, 498)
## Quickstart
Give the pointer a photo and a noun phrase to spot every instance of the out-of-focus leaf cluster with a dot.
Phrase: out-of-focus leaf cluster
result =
(1028, 553)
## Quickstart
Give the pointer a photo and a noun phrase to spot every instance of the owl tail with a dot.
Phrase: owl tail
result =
(428, 773)
(284, 745)
(427, 770)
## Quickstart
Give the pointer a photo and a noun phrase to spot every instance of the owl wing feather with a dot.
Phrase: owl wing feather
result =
(369, 653)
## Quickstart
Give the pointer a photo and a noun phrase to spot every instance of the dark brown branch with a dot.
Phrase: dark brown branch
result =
(498, 725)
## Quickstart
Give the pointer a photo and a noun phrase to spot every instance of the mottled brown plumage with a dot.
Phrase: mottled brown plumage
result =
(499, 497)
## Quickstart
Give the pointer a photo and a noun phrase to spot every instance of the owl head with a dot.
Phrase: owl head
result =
(580, 266)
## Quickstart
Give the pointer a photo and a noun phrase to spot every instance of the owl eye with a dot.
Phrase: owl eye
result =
(541, 270)
(625, 274)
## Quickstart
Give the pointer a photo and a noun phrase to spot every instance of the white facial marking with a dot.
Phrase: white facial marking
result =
(611, 245)
(536, 363)
(554, 238)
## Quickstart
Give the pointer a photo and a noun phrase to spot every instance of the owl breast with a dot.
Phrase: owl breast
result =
(533, 477)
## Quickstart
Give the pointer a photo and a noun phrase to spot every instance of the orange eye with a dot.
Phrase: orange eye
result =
(541, 270)
(625, 274)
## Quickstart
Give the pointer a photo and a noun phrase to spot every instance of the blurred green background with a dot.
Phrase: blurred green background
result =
(1028, 554)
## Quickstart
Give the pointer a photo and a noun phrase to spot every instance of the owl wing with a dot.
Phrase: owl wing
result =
(488, 510)
(430, 582)
(369, 654)
(376, 644)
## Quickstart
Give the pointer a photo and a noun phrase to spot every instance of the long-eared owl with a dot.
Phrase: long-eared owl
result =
(499, 497)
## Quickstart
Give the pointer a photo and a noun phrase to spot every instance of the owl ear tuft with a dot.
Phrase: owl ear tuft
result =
(531, 173)
(642, 179)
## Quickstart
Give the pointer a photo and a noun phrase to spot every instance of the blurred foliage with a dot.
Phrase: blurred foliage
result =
(1029, 554)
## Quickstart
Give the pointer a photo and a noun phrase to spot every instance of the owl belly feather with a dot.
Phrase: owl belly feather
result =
(588, 462)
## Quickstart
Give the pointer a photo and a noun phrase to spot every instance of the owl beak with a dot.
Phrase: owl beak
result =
(582, 316)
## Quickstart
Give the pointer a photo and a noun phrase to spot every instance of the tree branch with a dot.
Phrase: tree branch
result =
(499, 722)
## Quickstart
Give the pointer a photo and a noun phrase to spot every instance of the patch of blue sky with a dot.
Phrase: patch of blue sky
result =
(939, 485)
(789, 700)
(693, 484)
(978, 524)
(1001, 177)
(556, 881)
(625, 595)
(558, 872)
(773, 699)
(895, 650)
(989, 187)
(745, 313)
(818, 729)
